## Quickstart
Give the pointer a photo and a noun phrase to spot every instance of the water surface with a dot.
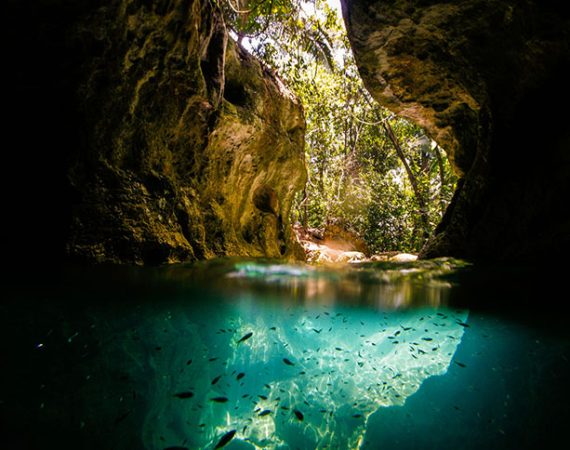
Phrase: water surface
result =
(282, 357)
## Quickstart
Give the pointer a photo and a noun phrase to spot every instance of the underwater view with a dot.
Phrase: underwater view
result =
(245, 354)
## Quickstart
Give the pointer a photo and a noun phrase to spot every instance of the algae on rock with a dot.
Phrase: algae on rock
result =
(181, 128)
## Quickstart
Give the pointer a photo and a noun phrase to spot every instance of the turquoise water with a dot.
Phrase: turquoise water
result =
(275, 356)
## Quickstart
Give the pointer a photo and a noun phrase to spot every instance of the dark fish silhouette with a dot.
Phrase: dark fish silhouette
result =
(357, 416)
(215, 380)
(427, 339)
(245, 337)
(289, 363)
(213, 359)
(317, 331)
(240, 376)
(273, 328)
(299, 415)
(262, 397)
(226, 438)
(188, 362)
(463, 324)
(219, 399)
(185, 394)
(460, 364)
(264, 412)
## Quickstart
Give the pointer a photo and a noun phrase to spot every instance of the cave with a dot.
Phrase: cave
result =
(155, 296)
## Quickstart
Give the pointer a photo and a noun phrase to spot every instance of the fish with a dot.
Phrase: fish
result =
(185, 394)
(225, 439)
(215, 380)
(188, 362)
(357, 416)
(213, 359)
(219, 399)
(317, 331)
(262, 397)
(273, 328)
(427, 339)
(338, 349)
(265, 412)
(240, 375)
(289, 363)
(122, 417)
(245, 337)
(267, 386)
(463, 324)
(460, 364)
(299, 415)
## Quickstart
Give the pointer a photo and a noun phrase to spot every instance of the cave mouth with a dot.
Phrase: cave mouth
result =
(373, 197)
(377, 183)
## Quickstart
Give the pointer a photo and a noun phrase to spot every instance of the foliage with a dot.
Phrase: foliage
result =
(357, 179)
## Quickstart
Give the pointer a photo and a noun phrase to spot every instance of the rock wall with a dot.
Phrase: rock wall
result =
(486, 79)
(177, 144)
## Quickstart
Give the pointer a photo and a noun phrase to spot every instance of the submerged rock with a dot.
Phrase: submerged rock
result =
(486, 80)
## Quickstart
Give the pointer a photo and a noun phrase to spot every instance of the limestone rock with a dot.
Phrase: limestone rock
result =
(188, 147)
(485, 79)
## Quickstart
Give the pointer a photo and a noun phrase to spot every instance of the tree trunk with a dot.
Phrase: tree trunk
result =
(441, 178)
(424, 218)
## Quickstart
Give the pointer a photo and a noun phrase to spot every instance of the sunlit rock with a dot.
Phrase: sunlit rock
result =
(189, 148)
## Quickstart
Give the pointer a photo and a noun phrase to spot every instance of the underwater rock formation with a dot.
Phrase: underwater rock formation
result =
(168, 129)
(485, 79)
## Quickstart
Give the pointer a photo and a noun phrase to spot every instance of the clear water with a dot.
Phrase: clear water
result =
(283, 357)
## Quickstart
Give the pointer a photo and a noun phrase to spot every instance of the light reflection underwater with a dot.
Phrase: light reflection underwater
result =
(310, 374)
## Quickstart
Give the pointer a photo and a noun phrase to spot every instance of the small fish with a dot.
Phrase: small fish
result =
(460, 364)
(185, 394)
(397, 333)
(338, 349)
(225, 439)
(188, 362)
(273, 328)
(285, 408)
(245, 337)
(427, 339)
(219, 399)
(265, 412)
(463, 324)
(215, 380)
(122, 417)
(262, 397)
(299, 415)
(357, 416)
(267, 386)
(240, 375)
(317, 331)
(213, 359)
(289, 363)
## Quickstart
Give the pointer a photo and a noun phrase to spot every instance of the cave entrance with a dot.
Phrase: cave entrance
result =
(379, 189)
(377, 184)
